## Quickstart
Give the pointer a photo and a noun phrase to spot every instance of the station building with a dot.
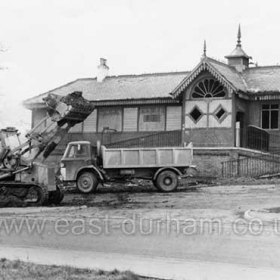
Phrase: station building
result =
(224, 109)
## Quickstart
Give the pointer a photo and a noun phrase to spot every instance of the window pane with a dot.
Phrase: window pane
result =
(274, 106)
(209, 88)
(109, 118)
(274, 119)
(195, 114)
(265, 106)
(151, 118)
(265, 119)
(220, 113)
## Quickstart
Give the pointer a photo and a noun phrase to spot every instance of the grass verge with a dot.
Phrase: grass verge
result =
(10, 270)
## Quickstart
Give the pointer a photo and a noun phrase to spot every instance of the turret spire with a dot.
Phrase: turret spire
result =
(238, 58)
(239, 36)
(204, 49)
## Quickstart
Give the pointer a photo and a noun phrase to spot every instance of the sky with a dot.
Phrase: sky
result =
(47, 43)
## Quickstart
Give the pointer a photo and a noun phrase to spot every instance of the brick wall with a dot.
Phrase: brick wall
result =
(209, 161)
(210, 137)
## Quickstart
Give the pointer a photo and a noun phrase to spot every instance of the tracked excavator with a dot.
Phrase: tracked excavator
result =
(25, 180)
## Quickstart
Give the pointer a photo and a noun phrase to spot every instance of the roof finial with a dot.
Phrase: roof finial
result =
(239, 36)
(204, 48)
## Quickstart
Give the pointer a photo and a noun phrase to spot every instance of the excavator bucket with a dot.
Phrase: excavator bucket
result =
(70, 109)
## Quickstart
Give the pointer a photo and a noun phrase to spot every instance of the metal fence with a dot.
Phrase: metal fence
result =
(266, 163)
(251, 166)
(161, 139)
(256, 138)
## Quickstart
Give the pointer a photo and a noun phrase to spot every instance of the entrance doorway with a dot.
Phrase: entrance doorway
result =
(240, 130)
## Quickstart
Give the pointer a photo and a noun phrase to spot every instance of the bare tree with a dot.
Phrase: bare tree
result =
(3, 49)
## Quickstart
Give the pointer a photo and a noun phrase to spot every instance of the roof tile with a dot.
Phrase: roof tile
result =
(254, 80)
(262, 79)
(145, 86)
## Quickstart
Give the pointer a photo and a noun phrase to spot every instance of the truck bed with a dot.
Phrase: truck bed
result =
(146, 157)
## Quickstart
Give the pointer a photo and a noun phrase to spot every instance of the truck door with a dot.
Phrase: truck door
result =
(76, 156)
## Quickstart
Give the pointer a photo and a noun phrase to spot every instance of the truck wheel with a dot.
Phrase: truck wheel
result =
(87, 182)
(55, 197)
(167, 181)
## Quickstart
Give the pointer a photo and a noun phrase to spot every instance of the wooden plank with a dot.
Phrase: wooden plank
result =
(77, 128)
(173, 117)
(90, 122)
(130, 119)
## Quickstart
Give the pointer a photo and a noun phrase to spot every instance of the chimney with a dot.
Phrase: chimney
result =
(103, 70)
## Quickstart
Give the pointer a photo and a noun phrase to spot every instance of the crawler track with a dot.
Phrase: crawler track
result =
(13, 194)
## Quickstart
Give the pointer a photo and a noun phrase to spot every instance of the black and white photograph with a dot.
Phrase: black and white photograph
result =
(139, 140)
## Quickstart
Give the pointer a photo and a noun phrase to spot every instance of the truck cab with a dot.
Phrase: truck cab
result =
(79, 164)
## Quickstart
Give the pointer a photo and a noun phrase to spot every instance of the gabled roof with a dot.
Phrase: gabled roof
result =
(252, 81)
(225, 74)
(125, 87)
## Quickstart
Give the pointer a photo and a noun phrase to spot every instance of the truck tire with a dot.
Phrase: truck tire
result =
(55, 197)
(167, 181)
(87, 182)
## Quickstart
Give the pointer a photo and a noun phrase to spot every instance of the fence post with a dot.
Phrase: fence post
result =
(238, 166)
(237, 134)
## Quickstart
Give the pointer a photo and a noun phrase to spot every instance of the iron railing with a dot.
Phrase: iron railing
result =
(161, 139)
(256, 138)
(252, 166)
(265, 163)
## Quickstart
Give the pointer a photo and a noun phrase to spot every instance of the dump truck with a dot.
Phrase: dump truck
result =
(25, 178)
(87, 166)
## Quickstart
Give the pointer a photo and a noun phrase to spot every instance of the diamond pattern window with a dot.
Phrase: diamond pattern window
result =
(220, 113)
(209, 88)
(195, 114)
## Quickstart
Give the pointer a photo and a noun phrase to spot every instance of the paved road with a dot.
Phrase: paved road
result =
(181, 230)
(160, 268)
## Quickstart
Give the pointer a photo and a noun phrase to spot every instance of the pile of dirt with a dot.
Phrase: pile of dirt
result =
(247, 181)
(10, 201)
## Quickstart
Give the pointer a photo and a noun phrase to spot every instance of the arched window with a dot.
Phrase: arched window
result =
(208, 88)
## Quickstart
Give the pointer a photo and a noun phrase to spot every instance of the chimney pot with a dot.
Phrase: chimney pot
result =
(103, 70)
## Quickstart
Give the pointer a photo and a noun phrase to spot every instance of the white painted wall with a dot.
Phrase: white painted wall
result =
(208, 108)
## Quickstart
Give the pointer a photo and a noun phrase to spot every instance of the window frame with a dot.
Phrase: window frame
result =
(151, 110)
(202, 80)
(200, 116)
(270, 110)
(101, 110)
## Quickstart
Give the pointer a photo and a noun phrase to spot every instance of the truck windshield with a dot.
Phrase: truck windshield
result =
(12, 141)
(77, 151)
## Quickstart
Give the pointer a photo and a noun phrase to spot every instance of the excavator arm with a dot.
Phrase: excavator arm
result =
(62, 114)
